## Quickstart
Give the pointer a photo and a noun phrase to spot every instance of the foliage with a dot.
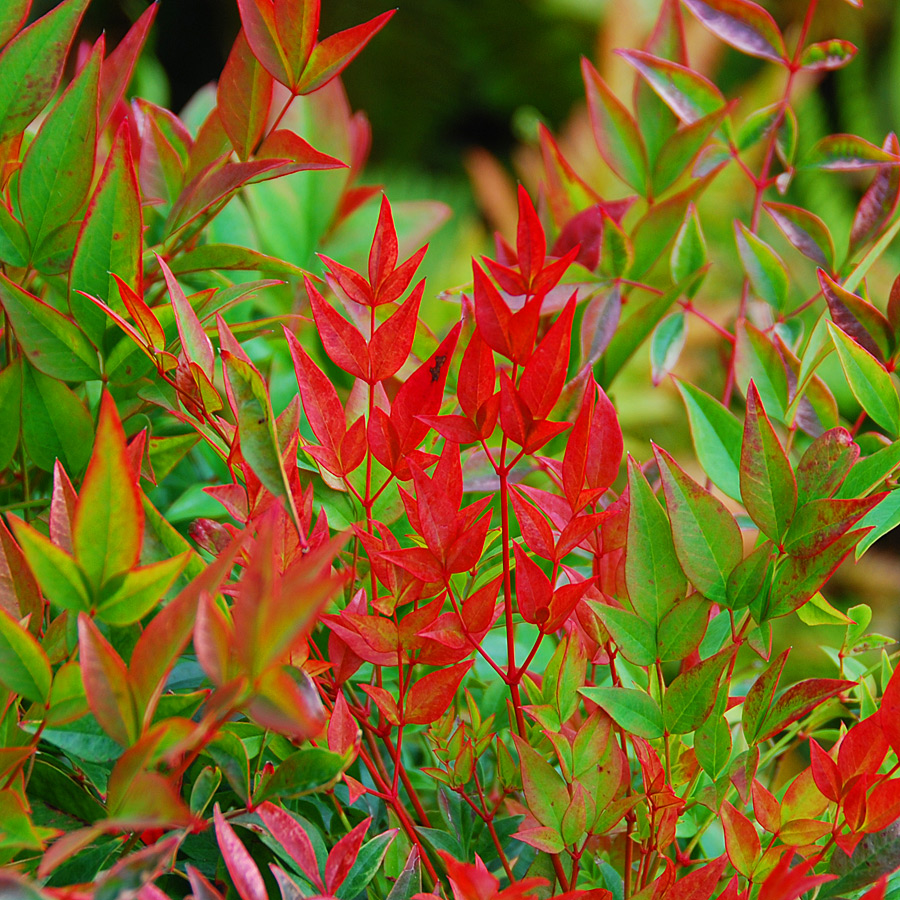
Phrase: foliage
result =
(436, 640)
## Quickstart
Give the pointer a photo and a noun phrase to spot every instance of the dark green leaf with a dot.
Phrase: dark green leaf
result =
(631, 709)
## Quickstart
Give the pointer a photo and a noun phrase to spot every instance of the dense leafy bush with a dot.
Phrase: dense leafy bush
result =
(434, 639)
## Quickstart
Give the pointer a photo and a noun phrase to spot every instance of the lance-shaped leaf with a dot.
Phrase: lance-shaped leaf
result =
(847, 153)
(244, 98)
(106, 683)
(109, 518)
(545, 790)
(879, 203)
(741, 840)
(259, 21)
(824, 56)
(256, 428)
(690, 698)
(858, 319)
(768, 486)
(52, 343)
(634, 637)
(110, 240)
(56, 173)
(666, 345)
(798, 578)
(825, 464)
(652, 572)
(393, 339)
(243, 870)
(331, 56)
(687, 93)
(819, 523)
(757, 359)
(545, 373)
(343, 341)
(684, 147)
(806, 231)
(12, 17)
(743, 24)
(431, 696)
(760, 697)
(871, 384)
(615, 131)
(31, 65)
(195, 343)
(24, 668)
(707, 538)
(291, 835)
(130, 597)
(762, 265)
(797, 701)
(633, 710)
(689, 247)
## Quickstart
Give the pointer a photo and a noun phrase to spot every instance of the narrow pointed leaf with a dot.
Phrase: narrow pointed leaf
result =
(879, 202)
(765, 269)
(24, 668)
(690, 698)
(12, 17)
(858, 319)
(806, 231)
(744, 25)
(847, 153)
(243, 870)
(244, 98)
(631, 709)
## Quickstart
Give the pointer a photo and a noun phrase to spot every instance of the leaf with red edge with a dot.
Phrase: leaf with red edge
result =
(760, 697)
(299, 156)
(863, 748)
(744, 25)
(824, 56)
(819, 523)
(862, 321)
(615, 131)
(244, 98)
(825, 772)
(879, 203)
(331, 56)
(799, 578)
(142, 314)
(291, 835)
(343, 732)
(109, 518)
(699, 884)
(106, 683)
(195, 343)
(12, 18)
(393, 339)
(848, 153)
(797, 701)
(343, 856)
(384, 250)
(741, 840)
(431, 696)
(118, 67)
(531, 245)
(533, 589)
(343, 342)
(785, 883)
(805, 230)
(258, 17)
(243, 870)
(687, 93)
(545, 373)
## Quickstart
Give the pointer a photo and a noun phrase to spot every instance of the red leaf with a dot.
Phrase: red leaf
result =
(535, 529)
(393, 339)
(890, 711)
(863, 749)
(300, 155)
(244, 98)
(293, 838)
(492, 315)
(825, 772)
(858, 318)
(533, 589)
(741, 840)
(430, 697)
(383, 255)
(765, 807)
(195, 343)
(241, 867)
(343, 856)
(258, 17)
(531, 245)
(883, 805)
(797, 701)
(785, 883)
(545, 373)
(331, 56)
(342, 341)
(879, 202)
(297, 26)
(477, 377)
(699, 884)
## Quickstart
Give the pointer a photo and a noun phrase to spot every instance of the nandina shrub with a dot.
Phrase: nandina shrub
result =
(440, 639)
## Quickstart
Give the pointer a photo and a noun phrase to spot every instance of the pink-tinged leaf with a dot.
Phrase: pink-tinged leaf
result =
(741, 840)
(827, 55)
(244, 98)
(343, 732)
(243, 870)
(744, 25)
(615, 130)
(32, 63)
(393, 339)
(109, 519)
(331, 56)
(300, 156)
(879, 203)
(258, 18)
(62, 509)
(195, 343)
(297, 26)
(118, 67)
(545, 373)
(432, 695)
(293, 838)
(848, 153)
(797, 701)
(818, 523)
(531, 245)
(19, 592)
(106, 683)
(535, 528)
(200, 885)
(385, 249)
(343, 856)
(343, 342)
(110, 240)
(798, 578)
(806, 231)
(687, 93)
(866, 324)
(825, 772)
(768, 486)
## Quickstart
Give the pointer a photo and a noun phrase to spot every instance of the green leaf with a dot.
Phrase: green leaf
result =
(55, 423)
(52, 343)
(690, 698)
(871, 471)
(256, 428)
(706, 537)
(871, 384)
(827, 55)
(61, 580)
(760, 697)
(24, 668)
(712, 744)
(717, 438)
(304, 772)
(652, 573)
(689, 248)
(14, 248)
(130, 598)
(825, 464)
(545, 790)
(631, 709)
(847, 153)
(615, 131)
(768, 487)
(757, 359)
(884, 518)
(748, 579)
(229, 256)
(56, 173)
(12, 17)
(110, 240)
(31, 65)
(367, 864)
(682, 148)
(635, 638)
(763, 266)
(682, 628)
(820, 522)
(806, 231)
(10, 411)
(666, 345)
(818, 611)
